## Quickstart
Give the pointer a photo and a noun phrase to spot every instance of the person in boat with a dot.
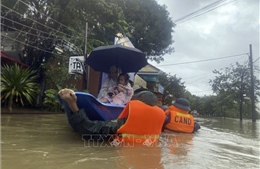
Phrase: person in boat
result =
(109, 83)
(178, 118)
(122, 93)
(180, 105)
(140, 117)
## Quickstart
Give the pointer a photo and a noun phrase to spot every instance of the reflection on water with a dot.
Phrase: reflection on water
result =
(47, 141)
(245, 128)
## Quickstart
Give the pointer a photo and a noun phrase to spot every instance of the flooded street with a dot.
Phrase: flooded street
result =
(47, 142)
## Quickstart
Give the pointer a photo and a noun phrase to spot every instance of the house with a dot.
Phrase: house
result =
(10, 58)
(150, 75)
(9, 50)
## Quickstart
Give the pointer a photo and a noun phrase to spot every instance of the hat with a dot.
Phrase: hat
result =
(140, 90)
(182, 104)
(164, 107)
(146, 97)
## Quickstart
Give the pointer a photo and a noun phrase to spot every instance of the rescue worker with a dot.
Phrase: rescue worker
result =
(178, 118)
(141, 117)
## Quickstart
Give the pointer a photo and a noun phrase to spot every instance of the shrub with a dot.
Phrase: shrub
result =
(18, 84)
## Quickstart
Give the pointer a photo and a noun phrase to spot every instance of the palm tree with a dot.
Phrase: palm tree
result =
(18, 83)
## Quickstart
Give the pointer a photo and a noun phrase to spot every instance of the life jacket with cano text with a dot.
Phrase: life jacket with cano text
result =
(180, 120)
(143, 122)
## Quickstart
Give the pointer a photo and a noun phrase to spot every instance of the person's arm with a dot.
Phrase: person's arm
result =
(196, 127)
(167, 119)
(87, 127)
(128, 90)
(104, 89)
(81, 122)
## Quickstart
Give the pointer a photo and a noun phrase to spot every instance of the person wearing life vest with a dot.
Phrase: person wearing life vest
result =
(140, 117)
(178, 118)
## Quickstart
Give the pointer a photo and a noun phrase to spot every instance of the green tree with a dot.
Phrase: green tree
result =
(56, 28)
(145, 22)
(150, 26)
(231, 86)
(207, 105)
(173, 87)
(193, 100)
(56, 67)
(18, 84)
(45, 31)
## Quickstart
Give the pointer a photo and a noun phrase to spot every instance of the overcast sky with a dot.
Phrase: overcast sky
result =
(225, 31)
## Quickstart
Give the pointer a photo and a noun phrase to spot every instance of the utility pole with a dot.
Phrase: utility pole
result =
(241, 97)
(85, 81)
(252, 91)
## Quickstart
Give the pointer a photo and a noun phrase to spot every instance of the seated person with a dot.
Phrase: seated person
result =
(122, 93)
(109, 83)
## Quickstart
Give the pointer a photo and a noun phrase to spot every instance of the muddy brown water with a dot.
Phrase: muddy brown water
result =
(46, 141)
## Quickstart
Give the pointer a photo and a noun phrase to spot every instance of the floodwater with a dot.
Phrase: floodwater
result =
(33, 141)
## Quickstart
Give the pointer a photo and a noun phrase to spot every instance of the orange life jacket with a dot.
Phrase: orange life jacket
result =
(180, 120)
(143, 122)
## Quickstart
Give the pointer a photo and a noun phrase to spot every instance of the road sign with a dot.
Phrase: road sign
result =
(76, 64)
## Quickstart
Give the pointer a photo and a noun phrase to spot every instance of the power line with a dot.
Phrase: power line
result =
(205, 75)
(199, 10)
(33, 20)
(205, 9)
(203, 60)
(48, 35)
(38, 22)
(243, 57)
(256, 60)
(26, 32)
(204, 12)
(9, 10)
(208, 11)
(35, 47)
(50, 18)
(196, 76)
(31, 28)
(199, 79)
(209, 74)
(40, 31)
